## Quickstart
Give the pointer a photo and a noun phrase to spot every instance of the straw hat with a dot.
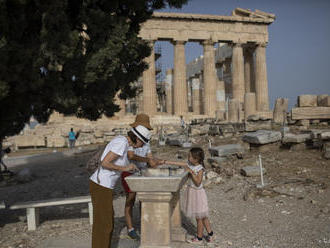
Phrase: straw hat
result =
(143, 120)
(142, 133)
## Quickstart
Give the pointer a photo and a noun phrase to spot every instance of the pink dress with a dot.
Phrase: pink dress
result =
(195, 200)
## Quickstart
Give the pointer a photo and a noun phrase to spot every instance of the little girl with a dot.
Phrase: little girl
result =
(195, 200)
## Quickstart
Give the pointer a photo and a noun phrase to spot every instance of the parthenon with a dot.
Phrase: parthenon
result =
(226, 81)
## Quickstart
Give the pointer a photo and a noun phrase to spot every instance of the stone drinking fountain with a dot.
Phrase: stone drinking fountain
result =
(158, 189)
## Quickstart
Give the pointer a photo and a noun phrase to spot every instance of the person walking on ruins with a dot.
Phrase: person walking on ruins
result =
(72, 138)
(195, 199)
(114, 161)
(141, 157)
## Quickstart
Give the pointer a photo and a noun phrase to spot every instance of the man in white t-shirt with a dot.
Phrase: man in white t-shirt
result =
(102, 182)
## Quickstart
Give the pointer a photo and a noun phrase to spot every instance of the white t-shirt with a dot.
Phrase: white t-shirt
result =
(108, 178)
(195, 169)
(142, 152)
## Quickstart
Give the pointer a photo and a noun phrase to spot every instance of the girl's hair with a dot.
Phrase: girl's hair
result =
(132, 136)
(198, 153)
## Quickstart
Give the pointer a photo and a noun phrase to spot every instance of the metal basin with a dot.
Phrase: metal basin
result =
(162, 179)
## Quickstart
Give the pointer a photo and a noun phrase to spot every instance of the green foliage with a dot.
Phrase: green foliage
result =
(88, 48)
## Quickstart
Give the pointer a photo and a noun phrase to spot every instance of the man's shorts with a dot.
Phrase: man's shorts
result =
(123, 181)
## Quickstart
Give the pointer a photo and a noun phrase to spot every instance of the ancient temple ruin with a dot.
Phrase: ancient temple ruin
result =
(225, 82)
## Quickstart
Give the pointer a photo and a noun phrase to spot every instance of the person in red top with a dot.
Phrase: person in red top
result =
(141, 157)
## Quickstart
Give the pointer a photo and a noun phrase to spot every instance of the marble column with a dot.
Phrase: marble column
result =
(249, 104)
(261, 78)
(209, 79)
(233, 111)
(220, 95)
(169, 90)
(280, 110)
(238, 73)
(196, 96)
(249, 70)
(201, 93)
(149, 85)
(180, 84)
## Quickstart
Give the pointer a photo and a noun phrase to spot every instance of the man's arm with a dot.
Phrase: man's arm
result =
(153, 162)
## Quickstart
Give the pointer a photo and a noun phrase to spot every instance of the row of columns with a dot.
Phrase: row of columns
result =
(246, 77)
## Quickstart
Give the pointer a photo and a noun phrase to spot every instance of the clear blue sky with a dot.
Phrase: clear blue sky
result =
(298, 52)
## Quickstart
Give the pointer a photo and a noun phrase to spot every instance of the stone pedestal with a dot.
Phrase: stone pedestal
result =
(155, 219)
(160, 219)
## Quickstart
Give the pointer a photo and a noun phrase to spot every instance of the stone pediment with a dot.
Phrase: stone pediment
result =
(256, 14)
(238, 15)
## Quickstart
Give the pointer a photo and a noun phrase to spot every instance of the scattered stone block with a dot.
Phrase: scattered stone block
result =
(326, 150)
(307, 101)
(298, 147)
(269, 147)
(216, 161)
(258, 125)
(296, 138)
(284, 130)
(252, 171)
(213, 130)
(199, 129)
(308, 113)
(317, 133)
(323, 100)
(265, 115)
(53, 141)
(325, 135)
(226, 150)
(29, 141)
(186, 144)
(304, 123)
(262, 137)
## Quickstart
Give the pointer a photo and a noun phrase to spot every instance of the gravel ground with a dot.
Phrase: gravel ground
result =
(292, 210)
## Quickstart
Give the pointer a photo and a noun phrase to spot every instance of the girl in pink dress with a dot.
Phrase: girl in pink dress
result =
(195, 200)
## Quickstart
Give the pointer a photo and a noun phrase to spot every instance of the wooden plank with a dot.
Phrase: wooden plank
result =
(310, 113)
(52, 202)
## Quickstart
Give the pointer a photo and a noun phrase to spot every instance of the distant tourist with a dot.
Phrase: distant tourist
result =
(195, 199)
(182, 123)
(72, 138)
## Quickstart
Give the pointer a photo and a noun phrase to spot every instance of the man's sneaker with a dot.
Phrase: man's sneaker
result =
(195, 241)
(210, 239)
(133, 235)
